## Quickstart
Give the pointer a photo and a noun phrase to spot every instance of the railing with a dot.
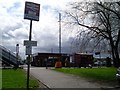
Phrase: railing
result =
(8, 55)
(3, 48)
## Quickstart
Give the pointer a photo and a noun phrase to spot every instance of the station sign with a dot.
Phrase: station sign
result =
(31, 11)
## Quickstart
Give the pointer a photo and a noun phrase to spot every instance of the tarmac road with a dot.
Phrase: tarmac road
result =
(53, 79)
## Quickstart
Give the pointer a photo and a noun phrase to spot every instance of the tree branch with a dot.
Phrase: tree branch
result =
(115, 12)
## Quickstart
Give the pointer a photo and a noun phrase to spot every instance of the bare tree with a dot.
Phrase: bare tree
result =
(102, 19)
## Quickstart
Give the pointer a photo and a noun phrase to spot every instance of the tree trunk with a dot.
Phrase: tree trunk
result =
(117, 57)
(116, 50)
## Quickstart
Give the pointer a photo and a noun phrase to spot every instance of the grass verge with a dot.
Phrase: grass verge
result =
(101, 74)
(16, 79)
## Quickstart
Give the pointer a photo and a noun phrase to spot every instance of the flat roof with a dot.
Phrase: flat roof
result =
(50, 54)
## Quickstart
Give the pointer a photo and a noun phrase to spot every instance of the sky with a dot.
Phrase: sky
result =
(14, 29)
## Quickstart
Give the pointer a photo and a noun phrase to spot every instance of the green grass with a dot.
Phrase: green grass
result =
(16, 79)
(103, 74)
(0, 79)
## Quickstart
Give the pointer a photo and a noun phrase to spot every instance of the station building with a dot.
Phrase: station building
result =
(49, 59)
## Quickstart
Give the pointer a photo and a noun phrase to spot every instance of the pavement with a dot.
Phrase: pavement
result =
(53, 79)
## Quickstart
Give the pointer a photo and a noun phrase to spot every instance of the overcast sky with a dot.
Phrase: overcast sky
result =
(15, 29)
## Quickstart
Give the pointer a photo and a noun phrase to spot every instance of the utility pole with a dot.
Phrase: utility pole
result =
(59, 33)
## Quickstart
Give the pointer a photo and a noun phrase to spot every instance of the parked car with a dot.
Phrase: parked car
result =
(118, 74)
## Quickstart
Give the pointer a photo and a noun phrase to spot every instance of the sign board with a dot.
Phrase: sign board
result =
(31, 11)
(30, 43)
(28, 50)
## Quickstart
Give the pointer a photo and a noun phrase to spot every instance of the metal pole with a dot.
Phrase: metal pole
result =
(28, 71)
(59, 32)
(17, 53)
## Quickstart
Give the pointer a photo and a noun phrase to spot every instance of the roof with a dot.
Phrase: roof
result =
(50, 54)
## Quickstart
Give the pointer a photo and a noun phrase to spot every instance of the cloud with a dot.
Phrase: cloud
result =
(14, 29)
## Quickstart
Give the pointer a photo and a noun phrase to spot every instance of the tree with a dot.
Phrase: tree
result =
(102, 19)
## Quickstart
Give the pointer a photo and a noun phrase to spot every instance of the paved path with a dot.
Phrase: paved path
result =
(54, 79)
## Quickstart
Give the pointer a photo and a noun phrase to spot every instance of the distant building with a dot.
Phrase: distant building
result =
(49, 59)
(82, 59)
(100, 59)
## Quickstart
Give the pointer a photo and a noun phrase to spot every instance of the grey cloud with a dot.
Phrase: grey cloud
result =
(8, 27)
(6, 36)
(66, 47)
(47, 39)
(14, 7)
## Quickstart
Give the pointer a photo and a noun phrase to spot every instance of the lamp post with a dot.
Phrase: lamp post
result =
(17, 53)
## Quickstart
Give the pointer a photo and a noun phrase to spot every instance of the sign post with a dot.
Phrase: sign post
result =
(28, 71)
(31, 13)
